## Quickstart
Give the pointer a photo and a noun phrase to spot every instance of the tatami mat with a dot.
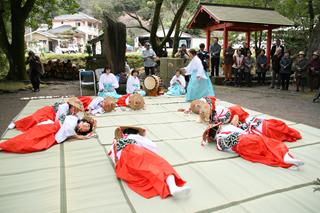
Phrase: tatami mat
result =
(78, 176)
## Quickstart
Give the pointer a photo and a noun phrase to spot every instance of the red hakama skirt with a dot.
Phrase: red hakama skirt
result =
(36, 139)
(86, 100)
(237, 110)
(276, 129)
(43, 114)
(145, 172)
(261, 149)
(122, 100)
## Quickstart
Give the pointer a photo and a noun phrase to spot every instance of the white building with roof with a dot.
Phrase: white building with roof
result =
(90, 26)
(69, 33)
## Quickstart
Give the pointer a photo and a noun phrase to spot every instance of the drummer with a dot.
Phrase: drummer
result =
(133, 84)
(149, 57)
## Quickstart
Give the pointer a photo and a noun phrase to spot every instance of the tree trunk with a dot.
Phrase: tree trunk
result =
(311, 17)
(16, 56)
(176, 38)
(154, 28)
(314, 40)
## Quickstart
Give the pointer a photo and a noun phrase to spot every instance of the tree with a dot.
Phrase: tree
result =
(22, 13)
(151, 11)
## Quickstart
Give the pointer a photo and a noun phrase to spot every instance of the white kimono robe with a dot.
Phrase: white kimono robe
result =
(141, 141)
(180, 78)
(133, 84)
(196, 65)
(108, 79)
(67, 129)
(95, 106)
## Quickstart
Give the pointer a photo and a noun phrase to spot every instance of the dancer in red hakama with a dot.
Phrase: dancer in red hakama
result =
(48, 133)
(252, 147)
(133, 101)
(271, 128)
(56, 112)
(227, 114)
(98, 105)
(138, 164)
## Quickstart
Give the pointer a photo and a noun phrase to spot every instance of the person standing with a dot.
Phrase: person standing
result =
(301, 70)
(200, 84)
(285, 70)
(238, 67)
(148, 59)
(262, 67)
(35, 70)
(314, 71)
(249, 64)
(183, 54)
(276, 46)
(276, 68)
(245, 49)
(215, 50)
(204, 57)
(228, 61)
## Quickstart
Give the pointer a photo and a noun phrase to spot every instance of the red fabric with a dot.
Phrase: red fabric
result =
(276, 129)
(122, 100)
(237, 110)
(213, 101)
(43, 114)
(86, 100)
(35, 139)
(261, 149)
(145, 172)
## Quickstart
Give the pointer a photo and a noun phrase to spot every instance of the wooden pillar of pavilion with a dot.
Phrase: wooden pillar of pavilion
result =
(269, 38)
(225, 37)
(248, 38)
(208, 33)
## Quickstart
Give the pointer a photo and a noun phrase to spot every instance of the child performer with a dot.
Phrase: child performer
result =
(47, 133)
(98, 105)
(56, 112)
(137, 163)
(252, 147)
(133, 101)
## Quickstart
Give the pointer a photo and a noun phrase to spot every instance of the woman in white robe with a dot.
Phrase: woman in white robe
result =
(108, 84)
(133, 84)
(199, 84)
(177, 84)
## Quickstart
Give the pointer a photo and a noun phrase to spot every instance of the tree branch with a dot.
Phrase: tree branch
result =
(27, 8)
(4, 40)
(136, 17)
(155, 23)
(175, 20)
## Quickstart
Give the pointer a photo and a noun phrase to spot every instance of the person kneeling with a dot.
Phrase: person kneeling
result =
(177, 84)
(133, 84)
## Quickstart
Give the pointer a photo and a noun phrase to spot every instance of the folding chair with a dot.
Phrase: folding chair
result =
(87, 77)
(98, 73)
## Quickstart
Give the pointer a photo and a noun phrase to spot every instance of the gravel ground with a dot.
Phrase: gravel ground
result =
(289, 105)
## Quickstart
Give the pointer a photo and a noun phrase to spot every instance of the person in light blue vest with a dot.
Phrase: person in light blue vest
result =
(133, 84)
(177, 84)
(108, 84)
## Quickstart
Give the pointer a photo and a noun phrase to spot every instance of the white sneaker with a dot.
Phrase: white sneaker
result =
(181, 192)
(11, 126)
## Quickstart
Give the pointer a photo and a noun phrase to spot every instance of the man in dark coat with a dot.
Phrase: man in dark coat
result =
(35, 70)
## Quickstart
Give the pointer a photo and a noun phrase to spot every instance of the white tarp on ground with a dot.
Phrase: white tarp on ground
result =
(78, 176)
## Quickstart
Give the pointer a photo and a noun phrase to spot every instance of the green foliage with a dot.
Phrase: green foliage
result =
(44, 11)
(4, 66)
(134, 60)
